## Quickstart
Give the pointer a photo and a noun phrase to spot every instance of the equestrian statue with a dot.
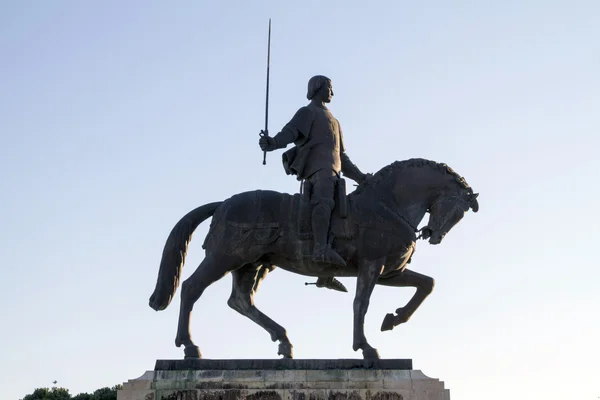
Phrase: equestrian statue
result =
(369, 234)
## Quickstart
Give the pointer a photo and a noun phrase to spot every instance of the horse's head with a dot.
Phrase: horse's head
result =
(446, 211)
(418, 186)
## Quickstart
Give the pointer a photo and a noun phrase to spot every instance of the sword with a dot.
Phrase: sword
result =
(266, 131)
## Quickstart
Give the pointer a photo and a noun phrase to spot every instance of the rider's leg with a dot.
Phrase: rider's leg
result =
(322, 198)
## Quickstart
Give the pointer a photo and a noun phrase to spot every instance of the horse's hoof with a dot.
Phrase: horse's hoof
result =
(179, 341)
(371, 354)
(286, 350)
(388, 322)
(192, 352)
(402, 317)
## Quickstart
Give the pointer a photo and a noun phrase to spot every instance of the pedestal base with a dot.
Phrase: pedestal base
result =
(283, 380)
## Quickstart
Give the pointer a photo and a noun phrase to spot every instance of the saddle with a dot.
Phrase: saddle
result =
(261, 217)
(301, 212)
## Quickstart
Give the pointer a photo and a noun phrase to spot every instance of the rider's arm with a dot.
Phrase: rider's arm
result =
(297, 130)
(288, 134)
(350, 170)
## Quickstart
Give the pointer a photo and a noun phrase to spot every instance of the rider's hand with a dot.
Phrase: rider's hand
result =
(365, 177)
(267, 143)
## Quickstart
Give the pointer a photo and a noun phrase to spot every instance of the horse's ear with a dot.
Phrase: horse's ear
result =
(473, 202)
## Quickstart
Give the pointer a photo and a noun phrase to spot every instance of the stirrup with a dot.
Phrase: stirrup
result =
(329, 283)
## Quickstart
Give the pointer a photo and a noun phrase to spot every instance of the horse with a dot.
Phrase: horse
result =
(254, 232)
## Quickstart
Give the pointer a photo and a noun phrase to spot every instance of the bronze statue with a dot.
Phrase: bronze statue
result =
(373, 230)
(318, 156)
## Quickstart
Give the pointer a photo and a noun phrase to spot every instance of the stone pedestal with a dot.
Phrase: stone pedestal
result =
(283, 380)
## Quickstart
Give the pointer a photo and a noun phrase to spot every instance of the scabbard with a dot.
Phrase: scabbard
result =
(342, 198)
(306, 190)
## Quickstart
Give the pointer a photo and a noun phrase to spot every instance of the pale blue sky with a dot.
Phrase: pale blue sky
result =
(117, 118)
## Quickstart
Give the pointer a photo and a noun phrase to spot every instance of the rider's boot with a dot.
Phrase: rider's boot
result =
(322, 252)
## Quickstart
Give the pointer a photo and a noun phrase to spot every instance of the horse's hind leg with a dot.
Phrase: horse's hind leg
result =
(211, 269)
(245, 284)
(424, 285)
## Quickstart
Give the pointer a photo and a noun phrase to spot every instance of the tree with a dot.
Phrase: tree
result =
(56, 393)
(106, 393)
(84, 396)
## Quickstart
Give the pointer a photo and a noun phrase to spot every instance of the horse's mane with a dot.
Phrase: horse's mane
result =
(386, 171)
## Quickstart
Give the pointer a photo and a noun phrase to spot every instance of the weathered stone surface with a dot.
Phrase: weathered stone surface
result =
(352, 383)
(281, 364)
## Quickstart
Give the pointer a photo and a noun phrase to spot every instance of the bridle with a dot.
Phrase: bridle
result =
(444, 220)
(421, 232)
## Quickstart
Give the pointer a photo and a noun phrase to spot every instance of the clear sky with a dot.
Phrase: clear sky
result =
(117, 118)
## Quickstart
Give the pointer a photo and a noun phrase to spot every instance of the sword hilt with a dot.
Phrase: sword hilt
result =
(263, 134)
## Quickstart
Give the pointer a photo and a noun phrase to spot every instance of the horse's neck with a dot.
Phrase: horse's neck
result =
(412, 203)
(418, 188)
(411, 206)
(371, 207)
(413, 213)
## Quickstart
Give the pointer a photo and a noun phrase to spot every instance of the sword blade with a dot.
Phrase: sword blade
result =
(267, 94)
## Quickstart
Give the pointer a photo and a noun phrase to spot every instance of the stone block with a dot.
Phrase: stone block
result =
(331, 375)
(278, 376)
(284, 380)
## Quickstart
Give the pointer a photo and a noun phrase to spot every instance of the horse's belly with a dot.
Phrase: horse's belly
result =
(303, 265)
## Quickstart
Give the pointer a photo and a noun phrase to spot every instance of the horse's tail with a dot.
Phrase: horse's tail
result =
(174, 252)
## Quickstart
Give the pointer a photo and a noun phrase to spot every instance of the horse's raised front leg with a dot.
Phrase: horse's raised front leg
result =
(211, 269)
(245, 284)
(368, 274)
(424, 285)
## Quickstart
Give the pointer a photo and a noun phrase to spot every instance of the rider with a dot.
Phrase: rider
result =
(318, 156)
